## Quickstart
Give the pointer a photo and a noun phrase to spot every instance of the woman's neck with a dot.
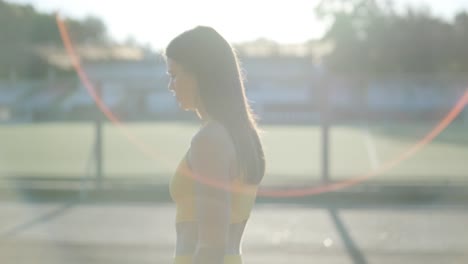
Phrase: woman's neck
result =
(205, 118)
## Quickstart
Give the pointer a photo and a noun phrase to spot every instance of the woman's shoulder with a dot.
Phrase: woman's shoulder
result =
(213, 131)
(213, 135)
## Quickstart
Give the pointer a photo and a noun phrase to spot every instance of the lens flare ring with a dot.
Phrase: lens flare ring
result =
(263, 191)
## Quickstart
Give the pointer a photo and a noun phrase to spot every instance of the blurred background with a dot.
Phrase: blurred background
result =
(342, 89)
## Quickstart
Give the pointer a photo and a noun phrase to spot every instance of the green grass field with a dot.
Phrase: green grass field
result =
(293, 153)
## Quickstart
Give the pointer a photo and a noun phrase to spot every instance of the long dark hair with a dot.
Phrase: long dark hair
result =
(206, 54)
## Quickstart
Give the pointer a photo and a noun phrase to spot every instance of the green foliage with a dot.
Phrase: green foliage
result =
(23, 29)
(371, 37)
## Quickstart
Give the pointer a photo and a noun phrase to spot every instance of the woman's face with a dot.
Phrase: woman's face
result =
(183, 85)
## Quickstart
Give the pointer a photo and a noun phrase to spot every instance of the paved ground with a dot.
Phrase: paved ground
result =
(138, 232)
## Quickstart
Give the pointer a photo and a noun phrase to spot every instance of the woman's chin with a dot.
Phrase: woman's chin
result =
(181, 106)
(186, 108)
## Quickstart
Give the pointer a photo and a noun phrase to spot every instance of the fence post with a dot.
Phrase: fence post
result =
(98, 143)
(325, 122)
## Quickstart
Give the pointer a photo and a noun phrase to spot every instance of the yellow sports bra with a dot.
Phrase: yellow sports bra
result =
(182, 193)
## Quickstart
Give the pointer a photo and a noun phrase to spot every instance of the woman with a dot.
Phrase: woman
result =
(215, 185)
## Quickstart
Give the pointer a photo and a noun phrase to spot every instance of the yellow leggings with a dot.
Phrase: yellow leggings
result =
(228, 259)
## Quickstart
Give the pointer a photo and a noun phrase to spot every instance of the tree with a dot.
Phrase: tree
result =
(371, 37)
(90, 30)
(353, 21)
(22, 29)
(461, 40)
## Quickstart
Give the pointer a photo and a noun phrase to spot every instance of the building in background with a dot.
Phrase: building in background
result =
(283, 84)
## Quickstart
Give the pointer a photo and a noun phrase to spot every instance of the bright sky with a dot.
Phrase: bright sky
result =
(157, 22)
